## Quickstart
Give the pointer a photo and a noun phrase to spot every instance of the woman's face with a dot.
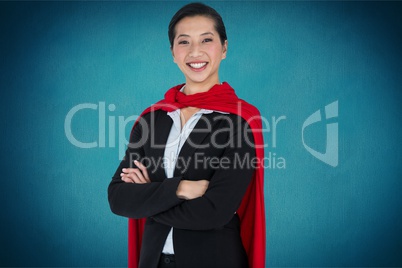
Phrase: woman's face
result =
(198, 51)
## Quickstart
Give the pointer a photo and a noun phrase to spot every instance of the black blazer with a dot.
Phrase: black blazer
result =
(206, 229)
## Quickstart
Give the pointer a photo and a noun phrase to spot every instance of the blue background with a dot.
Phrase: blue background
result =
(287, 58)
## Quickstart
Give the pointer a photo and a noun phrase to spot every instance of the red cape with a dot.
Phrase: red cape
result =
(251, 211)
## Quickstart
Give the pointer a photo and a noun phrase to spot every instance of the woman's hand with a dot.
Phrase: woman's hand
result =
(191, 189)
(135, 175)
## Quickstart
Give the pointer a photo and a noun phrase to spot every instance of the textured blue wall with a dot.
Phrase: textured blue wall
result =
(289, 59)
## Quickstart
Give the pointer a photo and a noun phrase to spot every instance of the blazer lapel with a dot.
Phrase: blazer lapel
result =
(202, 129)
(161, 124)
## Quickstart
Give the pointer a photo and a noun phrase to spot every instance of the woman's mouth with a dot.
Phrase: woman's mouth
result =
(197, 66)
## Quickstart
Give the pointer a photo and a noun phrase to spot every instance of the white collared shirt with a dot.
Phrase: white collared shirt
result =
(177, 137)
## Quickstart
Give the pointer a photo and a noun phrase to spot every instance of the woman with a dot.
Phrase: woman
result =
(191, 179)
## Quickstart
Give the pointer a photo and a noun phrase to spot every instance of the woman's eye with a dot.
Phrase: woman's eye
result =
(183, 42)
(206, 40)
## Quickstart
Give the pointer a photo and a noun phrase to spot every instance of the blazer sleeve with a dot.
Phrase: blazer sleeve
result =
(225, 191)
(140, 200)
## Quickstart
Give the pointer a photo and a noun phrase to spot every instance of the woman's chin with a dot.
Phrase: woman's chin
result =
(200, 79)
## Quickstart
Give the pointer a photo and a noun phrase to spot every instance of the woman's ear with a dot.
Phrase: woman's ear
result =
(171, 50)
(224, 49)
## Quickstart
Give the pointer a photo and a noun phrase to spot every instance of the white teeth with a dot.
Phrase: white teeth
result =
(197, 65)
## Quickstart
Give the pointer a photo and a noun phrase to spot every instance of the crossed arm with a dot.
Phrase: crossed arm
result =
(186, 189)
(184, 204)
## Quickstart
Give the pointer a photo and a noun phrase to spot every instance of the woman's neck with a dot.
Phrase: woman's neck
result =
(193, 88)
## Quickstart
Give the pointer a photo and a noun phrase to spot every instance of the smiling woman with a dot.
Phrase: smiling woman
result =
(198, 51)
(190, 202)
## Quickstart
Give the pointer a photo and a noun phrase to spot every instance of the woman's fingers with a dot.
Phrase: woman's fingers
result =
(189, 190)
(201, 187)
(143, 170)
(134, 175)
(125, 178)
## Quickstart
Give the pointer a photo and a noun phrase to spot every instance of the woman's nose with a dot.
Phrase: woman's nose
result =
(195, 51)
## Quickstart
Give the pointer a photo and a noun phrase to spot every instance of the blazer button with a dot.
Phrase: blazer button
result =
(167, 260)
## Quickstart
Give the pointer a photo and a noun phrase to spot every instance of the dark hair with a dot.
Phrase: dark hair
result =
(197, 9)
